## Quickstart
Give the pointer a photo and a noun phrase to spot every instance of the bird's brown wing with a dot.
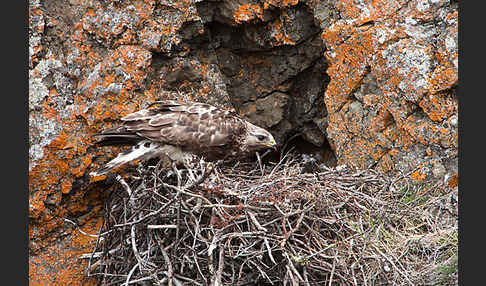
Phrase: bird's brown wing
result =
(193, 125)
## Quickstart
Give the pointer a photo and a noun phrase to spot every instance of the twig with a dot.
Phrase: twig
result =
(219, 272)
(332, 271)
(141, 262)
(124, 184)
(131, 273)
(289, 233)
(260, 164)
(80, 230)
(170, 271)
(154, 213)
(162, 226)
(394, 266)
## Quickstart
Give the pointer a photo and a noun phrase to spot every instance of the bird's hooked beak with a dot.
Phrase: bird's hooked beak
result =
(271, 144)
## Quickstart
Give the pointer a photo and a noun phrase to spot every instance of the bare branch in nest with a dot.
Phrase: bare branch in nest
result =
(124, 184)
(272, 224)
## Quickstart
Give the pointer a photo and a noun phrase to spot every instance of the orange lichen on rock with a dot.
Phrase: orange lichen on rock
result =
(279, 3)
(61, 265)
(336, 33)
(85, 163)
(418, 175)
(64, 159)
(423, 131)
(445, 75)
(97, 178)
(36, 29)
(348, 8)
(380, 45)
(453, 181)
(66, 187)
(348, 64)
(144, 9)
(50, 177)
(439, 106)
(247, 12)
(386, 162)
(278, 34)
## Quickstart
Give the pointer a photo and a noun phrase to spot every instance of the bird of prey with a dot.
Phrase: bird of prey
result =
(180, 131)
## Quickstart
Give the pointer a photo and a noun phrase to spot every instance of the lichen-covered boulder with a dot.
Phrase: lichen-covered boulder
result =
(391, 99)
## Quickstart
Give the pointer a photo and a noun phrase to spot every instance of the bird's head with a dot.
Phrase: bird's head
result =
(258, 138)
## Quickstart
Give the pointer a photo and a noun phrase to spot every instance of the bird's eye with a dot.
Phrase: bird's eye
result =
(261, 137)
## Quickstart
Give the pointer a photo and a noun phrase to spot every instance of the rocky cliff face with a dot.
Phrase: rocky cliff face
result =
(374, 80)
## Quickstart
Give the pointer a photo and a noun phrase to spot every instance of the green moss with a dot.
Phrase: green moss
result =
(447, 270)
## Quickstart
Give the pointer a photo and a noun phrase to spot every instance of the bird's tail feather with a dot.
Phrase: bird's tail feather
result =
(117, 141)
(117, 136)
(143, 150)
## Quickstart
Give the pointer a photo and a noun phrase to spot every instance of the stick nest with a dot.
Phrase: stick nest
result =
(277, 224)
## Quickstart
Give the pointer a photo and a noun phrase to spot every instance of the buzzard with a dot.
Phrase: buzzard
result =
(180, 131)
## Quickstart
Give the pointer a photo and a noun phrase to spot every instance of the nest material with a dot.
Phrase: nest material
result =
(250, 224)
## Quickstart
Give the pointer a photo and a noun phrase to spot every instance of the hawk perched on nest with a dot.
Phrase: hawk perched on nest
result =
(181, 130)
